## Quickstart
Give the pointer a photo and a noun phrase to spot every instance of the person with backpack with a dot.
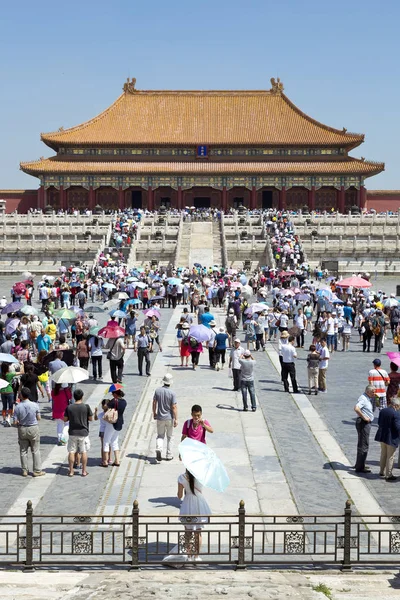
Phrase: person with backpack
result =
(184, 346)
(378, 330)
(231, 325)
(114, 421)
(195, 349)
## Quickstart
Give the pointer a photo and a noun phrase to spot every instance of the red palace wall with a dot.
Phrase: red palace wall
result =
(383, 200)
(22, 200)
(19, 200)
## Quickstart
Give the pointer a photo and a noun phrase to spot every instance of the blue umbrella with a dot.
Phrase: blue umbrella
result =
(118, 314)
(174, 281)
(131, 303)
(204, 464)
(9, 358)
(325, 293)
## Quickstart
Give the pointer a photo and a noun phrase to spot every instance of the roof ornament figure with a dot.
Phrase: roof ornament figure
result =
(129, 86)
(61, 128)
(344, 130)
(277, 85)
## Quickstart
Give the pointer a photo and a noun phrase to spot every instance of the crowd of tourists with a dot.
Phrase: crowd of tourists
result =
(225, 317)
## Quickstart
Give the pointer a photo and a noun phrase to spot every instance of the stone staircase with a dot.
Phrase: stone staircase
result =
(217, 244)
(202, 243)
(183, 259)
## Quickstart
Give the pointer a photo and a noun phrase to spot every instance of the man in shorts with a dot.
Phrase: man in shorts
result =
(78, 416)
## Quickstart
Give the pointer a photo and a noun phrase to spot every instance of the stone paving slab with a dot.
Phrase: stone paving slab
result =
(157, 483)
(198, 583)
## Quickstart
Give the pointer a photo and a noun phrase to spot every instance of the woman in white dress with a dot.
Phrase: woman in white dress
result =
(193, 505)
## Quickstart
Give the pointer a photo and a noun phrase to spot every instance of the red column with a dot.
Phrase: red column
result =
(180, 198)
(121, 198)
(341, 199)
(363, 197)
(224, 199)
(92, 198)
(62, 196)
(150, 198)
(253, 198)
(41, 197)
(311, 198)
(358, 198)
(282, 198)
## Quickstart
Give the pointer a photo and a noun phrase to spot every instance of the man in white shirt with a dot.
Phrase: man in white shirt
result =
(234, 364)
(330, 331)
(300, 322)
(323, 366)
(288, 353)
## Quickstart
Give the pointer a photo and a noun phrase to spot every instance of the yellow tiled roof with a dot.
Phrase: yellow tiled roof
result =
(54, 165)
(202, 117)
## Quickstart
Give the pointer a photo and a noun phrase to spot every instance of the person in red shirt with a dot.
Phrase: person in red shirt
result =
(196, 427)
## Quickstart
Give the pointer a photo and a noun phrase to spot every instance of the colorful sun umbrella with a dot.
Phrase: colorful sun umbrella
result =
(357, 282)
(11, 307)
(204, 464)
(11, 326)
(118, 314)
(94, 309)
(65, 313)
(201, 333)
(111, 332)
(152, 312)
(114, 387)
(29, 310)
(94, 331)
(70, 375)
(9, 358)
(19, 288)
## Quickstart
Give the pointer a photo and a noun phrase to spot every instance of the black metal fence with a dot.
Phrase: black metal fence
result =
(239, 540)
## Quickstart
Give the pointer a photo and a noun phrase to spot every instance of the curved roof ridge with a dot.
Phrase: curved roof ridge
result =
(62, 131)
(318, 123)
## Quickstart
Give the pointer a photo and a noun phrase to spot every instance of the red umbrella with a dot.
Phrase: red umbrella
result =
(19, 288)
(357, 282)
(111, 332)
(27, 282)
(286, 273)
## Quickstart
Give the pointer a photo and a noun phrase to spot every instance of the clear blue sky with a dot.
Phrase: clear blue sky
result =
(64, 62)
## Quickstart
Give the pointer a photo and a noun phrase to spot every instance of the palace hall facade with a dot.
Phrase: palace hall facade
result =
(203, 149)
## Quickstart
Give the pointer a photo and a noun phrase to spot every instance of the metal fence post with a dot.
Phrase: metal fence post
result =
(241, 564)
(135, 537)
(29, 538)
(346, 564)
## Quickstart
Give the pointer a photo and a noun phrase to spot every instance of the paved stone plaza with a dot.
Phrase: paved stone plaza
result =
(292, 456)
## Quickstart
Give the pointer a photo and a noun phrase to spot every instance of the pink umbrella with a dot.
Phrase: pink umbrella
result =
(394, 357)
(357, 282)
(152, 312)
(288, 293)
(111, 332)
(236, 284)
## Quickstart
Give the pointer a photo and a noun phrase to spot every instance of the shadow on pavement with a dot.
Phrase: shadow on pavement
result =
(228, 407)
(163, 501)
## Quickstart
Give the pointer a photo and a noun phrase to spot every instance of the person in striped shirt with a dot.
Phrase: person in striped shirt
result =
(379, 379)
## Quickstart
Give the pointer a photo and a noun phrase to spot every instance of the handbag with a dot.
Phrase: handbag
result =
(396, 339)
(109, 353)
(111, 415)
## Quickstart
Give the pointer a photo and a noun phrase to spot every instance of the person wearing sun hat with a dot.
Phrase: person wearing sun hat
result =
(165, 412)
(247, 363)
